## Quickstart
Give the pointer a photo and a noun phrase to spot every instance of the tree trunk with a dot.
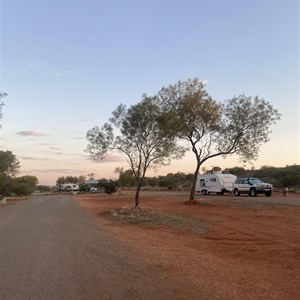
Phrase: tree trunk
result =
(137, 198)
(137, 194)
(192, 193)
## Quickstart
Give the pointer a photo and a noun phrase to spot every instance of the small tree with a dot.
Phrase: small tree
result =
(238, 126)
(126, 178)
(141, 139)
(9, 168)
(110, 187)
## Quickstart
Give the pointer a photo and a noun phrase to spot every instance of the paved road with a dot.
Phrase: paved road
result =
(50, 248)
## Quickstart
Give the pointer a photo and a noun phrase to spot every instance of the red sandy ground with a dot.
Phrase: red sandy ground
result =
(251, 250)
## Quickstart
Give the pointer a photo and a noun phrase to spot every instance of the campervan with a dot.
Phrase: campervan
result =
(71, 187)
(215, 183)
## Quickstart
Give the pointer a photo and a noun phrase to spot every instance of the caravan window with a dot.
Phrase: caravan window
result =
(202, 182)
(212, 179)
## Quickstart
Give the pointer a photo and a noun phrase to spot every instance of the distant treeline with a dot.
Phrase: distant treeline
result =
(288, 176)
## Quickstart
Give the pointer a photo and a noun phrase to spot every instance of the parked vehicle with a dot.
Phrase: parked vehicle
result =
(215, 183)
(70, 187)
(252, 187)
(93, 189)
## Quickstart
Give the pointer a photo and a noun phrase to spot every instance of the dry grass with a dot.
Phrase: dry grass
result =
(147, 216)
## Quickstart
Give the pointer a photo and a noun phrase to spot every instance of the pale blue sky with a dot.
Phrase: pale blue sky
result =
(67, 64)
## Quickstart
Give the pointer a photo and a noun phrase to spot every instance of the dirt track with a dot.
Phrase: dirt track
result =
(251, 249)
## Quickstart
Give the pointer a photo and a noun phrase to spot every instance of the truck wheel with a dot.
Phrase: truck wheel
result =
(268, 194)
(253, 193)
(236, 192)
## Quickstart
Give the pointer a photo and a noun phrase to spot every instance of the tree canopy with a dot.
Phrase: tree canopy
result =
(238, 126)
(9, 168)
(141, 139)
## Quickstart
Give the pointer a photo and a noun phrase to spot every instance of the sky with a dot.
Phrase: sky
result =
(66, 65)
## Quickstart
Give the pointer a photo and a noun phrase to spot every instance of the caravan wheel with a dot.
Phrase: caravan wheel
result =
(204, 192)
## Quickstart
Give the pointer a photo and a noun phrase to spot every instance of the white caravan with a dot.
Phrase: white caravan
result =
(215, 183)
(70, 187)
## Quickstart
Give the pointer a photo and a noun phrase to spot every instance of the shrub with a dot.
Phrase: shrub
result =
(110, 187)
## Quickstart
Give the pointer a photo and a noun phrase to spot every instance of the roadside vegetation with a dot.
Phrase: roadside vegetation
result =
(10, 184)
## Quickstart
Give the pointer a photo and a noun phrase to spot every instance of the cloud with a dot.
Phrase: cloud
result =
(59, 171)
(46, 68)
(31, 133)
(32, 158)
(60, 73)
(54, 148)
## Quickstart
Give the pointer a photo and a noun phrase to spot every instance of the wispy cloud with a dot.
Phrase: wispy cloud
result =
(32, 158)
(31, 133)
(47, 68)
(54, 148)
(59, 171)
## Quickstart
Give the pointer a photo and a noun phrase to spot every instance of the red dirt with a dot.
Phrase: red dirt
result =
(251, 250)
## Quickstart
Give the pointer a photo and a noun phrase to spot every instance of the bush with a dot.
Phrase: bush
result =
(110, 187)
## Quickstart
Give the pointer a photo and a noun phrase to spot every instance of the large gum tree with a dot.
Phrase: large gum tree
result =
(140, 139)
(237, 126)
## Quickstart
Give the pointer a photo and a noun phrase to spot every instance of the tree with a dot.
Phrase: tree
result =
(238, 126)
(68, 179)
(288, 176)
(110, 187)
(126, 178)
(141, 139)
(43, 188)
(24, 185)
(2, 96)
(237, 171)
(9, 168)
(81, 180)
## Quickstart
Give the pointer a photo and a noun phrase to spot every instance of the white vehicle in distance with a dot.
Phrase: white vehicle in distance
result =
(70, 187)
(215, 183)
(93, 189)
(252, 187)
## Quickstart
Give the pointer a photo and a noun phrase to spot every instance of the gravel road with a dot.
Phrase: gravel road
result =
(50, 248)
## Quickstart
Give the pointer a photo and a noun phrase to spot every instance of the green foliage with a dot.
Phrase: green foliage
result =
(9, 168)
(141, 139)
(43, 188)
(81, 180)
(23, 186)
(289, 176)
(84, 188)
(68, 179)
(239, 126)
(110, 187)
(9, 165)
(237, 171)
(245, 126)
(126, 178)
